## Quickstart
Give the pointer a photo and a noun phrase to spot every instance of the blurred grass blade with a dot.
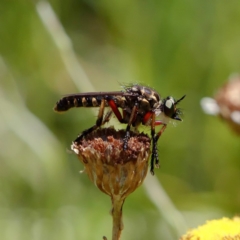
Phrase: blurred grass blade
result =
(165, 206)
(64, 45)
(16, 117)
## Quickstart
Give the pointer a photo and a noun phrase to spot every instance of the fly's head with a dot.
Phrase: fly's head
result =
(169, 108)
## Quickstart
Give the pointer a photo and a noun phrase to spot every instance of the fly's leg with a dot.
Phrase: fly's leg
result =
(99, 121)
(131, 119)
(114, 108)
(154, 158)
(154, 145)
(155, 137)
(107, 117)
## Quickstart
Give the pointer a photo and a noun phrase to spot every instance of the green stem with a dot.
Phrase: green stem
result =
(117, 204)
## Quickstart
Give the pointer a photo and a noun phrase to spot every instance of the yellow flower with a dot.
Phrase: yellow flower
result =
(222, 229)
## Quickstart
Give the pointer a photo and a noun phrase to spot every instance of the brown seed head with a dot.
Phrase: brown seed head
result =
(114, 171)
(228, 100)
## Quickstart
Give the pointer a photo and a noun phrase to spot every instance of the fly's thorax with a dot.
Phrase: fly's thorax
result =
(144, 105)
(120, 101)
(144, 93)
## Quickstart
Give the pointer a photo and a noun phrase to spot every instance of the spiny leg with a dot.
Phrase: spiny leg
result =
(154, 145)
(107, 117)
(99, 121)
(154, 158)
(114, 108)
(154, 148)
(131, 119)
(119, 116)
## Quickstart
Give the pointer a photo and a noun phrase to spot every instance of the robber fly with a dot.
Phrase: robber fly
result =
(139, 104)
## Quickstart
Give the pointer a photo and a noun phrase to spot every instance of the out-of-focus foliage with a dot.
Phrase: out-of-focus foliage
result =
(177, 47)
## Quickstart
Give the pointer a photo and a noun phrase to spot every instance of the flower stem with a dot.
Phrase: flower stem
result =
(117, 204)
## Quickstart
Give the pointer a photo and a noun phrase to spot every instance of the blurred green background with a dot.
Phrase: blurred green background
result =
(176, 47)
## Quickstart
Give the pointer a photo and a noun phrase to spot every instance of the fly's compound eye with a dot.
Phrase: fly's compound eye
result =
(169, 107)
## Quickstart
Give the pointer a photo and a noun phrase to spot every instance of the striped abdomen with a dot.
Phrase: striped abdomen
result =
(78, 101)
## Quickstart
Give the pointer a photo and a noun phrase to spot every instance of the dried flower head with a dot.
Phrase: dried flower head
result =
(113, 170)
(226, 103)
(228, 100)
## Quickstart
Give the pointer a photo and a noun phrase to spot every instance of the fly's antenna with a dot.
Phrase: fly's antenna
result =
(179, 100)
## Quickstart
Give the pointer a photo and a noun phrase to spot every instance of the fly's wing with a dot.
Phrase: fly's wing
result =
(89, 99)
